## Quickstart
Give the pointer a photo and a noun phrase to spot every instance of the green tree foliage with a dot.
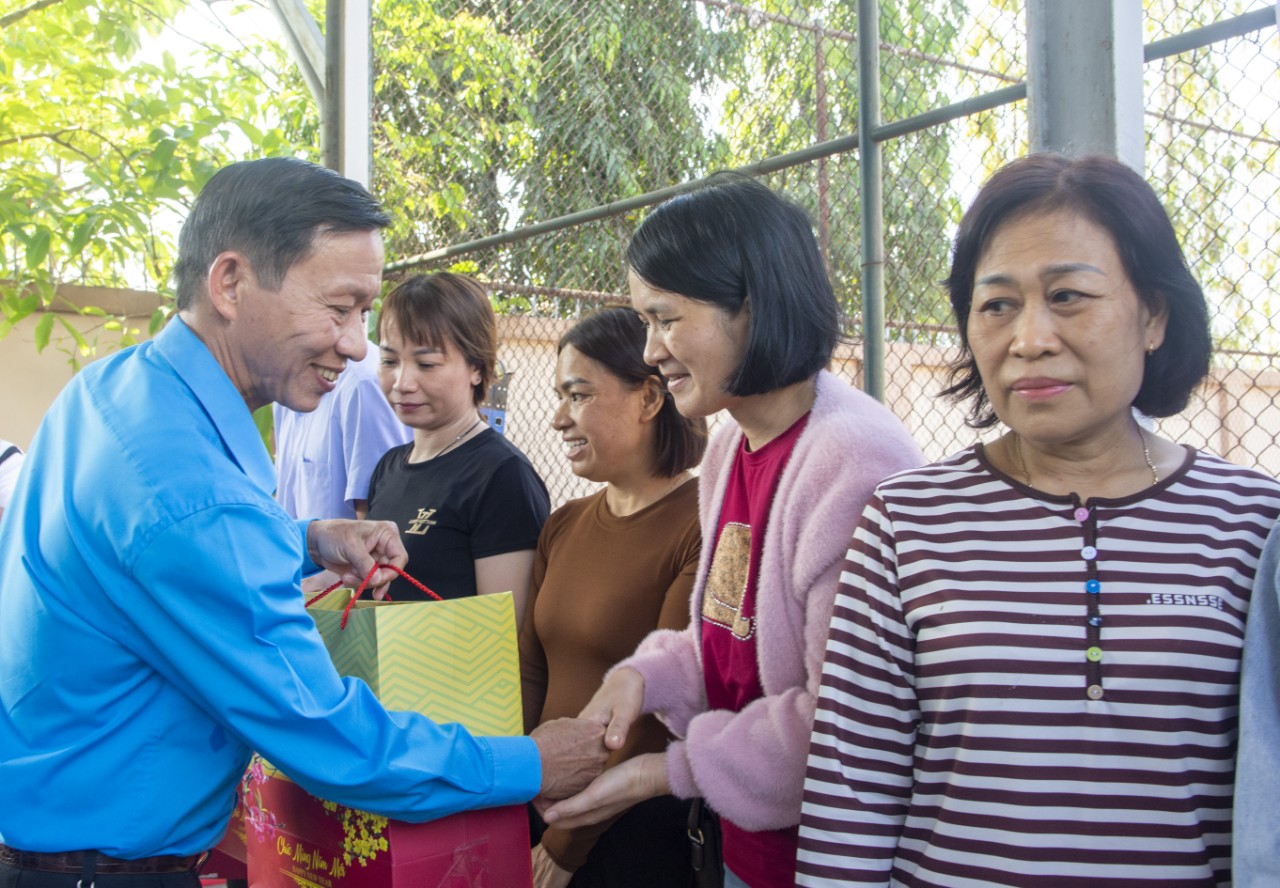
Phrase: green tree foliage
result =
(617, 113)
(102, 147)
(793, 81)
(1206, 153)
(486, 114)
(452, 116)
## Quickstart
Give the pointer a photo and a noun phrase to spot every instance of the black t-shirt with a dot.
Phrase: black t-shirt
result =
(480, 499)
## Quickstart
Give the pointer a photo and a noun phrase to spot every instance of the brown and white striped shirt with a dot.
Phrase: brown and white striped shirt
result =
(1024, 690)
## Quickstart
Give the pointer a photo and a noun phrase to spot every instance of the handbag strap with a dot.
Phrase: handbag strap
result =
(346, 611)
(11, 450)
(697, 839)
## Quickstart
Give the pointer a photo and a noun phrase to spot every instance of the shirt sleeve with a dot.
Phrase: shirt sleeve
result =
(1256, 842)
(309, 567)
(511, 512)
(858, 781)
(217, 610)
(533, 658)
(369, 429)
(378, 475)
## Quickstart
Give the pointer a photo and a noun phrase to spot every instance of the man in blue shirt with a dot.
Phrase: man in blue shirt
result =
(152, 631)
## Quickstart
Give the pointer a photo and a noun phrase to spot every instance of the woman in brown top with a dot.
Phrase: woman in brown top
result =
(609, 569)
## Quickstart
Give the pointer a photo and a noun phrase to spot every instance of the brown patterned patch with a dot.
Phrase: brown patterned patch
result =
(727, 581)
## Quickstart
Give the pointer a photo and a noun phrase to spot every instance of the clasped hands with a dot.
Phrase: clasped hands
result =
(572, 798)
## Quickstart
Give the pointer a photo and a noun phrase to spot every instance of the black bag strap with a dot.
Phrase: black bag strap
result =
(697, 839)
(10, 451)
(705, 855)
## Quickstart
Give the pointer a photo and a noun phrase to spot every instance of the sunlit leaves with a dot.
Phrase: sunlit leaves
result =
(103, 145)
(452, 114)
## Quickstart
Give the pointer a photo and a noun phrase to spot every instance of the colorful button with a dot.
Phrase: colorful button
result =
(1093, 587)
(1094, 654)
(1094, 692)
(1095, 620)
(1088, 553)
(1082, 514)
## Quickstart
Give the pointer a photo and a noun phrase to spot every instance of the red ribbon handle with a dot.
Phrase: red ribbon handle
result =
(346, 612)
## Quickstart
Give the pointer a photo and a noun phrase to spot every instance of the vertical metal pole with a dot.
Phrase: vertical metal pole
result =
(873, 333)
(357, 89)
(344, 117)
(306, 45)
(1084, 78)
(820, 99)
(331, 110)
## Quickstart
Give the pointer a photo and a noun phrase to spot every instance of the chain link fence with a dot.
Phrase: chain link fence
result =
(602, 109)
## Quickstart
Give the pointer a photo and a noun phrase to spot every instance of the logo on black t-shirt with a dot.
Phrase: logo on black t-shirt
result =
(422, 523)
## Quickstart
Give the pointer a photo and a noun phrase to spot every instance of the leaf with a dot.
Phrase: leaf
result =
(81, 234)
(44, 327)
(38, 248)
(82, 346)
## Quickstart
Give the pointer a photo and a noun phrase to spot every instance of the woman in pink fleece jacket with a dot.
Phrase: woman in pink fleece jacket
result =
(741, 317)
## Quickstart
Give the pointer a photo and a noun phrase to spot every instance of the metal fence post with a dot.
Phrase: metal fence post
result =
(872, 208)
(820, 99)
(348, 90)
(1084, 78)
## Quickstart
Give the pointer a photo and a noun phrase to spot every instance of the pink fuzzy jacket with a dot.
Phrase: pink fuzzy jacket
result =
(750, 765)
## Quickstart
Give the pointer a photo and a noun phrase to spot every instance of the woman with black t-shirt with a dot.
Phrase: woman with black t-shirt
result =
(468, 503)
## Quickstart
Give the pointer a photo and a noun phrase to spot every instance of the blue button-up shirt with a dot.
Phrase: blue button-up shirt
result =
(152, 633)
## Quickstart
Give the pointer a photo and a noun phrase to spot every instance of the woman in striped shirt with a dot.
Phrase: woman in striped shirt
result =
(1032, 674)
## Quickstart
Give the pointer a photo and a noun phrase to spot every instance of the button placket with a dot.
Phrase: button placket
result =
(1093, 653)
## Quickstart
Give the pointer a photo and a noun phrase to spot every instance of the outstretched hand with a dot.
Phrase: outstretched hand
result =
(572, 752)
(614, 791)
(616, 705)
(351, 549)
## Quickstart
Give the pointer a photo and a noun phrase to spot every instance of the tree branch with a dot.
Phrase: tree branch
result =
(23, 137)
(19, 14)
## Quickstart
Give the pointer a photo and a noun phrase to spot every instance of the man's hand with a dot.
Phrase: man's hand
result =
(616, 706)
(573, 754)
(614, 791)
(351, 549)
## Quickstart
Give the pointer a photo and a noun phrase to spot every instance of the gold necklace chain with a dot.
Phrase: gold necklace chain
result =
(1026, 473)
(469, 429)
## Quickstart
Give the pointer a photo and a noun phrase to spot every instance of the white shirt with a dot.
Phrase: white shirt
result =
(9, 467)
(324, 458)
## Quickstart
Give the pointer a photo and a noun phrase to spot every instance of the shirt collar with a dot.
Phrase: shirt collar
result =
(196, 366)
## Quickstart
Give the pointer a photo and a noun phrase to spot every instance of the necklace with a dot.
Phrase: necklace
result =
(1026, 473)
(469, 429)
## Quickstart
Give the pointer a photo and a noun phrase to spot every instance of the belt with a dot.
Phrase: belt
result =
(72, 862)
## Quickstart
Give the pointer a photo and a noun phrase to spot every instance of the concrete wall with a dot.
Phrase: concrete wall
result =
(30, 380)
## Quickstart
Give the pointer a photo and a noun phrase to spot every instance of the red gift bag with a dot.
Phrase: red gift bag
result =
(295, 840)
(309, 842)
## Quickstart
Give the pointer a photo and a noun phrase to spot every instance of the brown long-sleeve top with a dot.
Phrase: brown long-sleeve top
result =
(601, 583)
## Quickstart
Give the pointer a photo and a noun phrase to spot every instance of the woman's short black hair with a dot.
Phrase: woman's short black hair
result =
(734, 243)
(614, 338)
(1114, 197)
(429, 309)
